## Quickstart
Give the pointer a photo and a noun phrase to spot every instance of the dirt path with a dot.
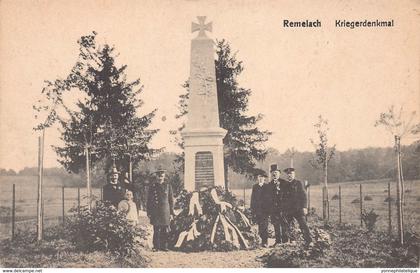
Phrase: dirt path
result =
(242, 258)
(174, 259)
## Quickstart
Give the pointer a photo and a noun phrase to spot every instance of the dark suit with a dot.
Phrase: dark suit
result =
(113, 193)
(159, 209)
(294, 201)
(274, 200)
(128, 187)
(259, 211)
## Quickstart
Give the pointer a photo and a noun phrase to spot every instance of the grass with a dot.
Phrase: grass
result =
(26, 194)
(56, 251)
(60, 253)
(375, 189)
(347, 246)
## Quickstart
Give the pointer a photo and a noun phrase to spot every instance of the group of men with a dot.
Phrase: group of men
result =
(280, 201)
(159, 204)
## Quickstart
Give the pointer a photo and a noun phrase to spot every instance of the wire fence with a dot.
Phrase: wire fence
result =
(355, 198)
(18, 206)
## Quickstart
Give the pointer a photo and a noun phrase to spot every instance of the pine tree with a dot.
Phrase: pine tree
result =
(105, 117)
(244, 141)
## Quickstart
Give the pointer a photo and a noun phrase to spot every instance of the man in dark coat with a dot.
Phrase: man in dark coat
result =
(295, 204)
(257, 207)
(113, 191)
(273, 201)
(160, 210)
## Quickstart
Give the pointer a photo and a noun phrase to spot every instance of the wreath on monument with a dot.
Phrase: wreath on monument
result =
(210, 219)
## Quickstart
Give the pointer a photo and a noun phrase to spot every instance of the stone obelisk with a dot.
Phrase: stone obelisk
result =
(203, 137)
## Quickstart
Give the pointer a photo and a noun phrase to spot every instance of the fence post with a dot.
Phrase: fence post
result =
(324, 216)
(339, 204)
(78, 200)
(309, 198)
(389, 211)
(40, 199)
(244, 193)
(13, 211)
(41, 232)
(361, 206)
(62, 198)
(328, 206)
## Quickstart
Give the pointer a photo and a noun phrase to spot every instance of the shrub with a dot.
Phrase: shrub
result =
(369, 219)
(312, 212)
(5, 213)
(347, 246)
(356, 201)
(368, 198)
(296, 255)
(389, 199)
(104, 228)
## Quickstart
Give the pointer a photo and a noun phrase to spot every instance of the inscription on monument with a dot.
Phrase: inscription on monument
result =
(204, 172)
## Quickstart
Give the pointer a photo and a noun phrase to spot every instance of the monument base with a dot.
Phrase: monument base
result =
(204, 164)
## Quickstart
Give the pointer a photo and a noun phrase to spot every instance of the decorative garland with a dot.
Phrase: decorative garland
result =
(228, 223)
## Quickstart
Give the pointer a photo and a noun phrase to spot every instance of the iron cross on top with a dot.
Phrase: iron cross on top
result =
(201, 27)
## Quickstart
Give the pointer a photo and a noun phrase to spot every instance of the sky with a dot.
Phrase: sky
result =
(347, 75)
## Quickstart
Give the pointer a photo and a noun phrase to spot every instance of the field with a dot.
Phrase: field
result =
(351, 246)
(376, 189)
(26, 203)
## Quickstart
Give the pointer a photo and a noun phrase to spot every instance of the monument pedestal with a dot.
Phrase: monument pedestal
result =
(203, 137)
(204, 158)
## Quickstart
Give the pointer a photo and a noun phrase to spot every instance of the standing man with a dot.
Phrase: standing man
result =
(295, 204)
(257, 206)
(160, 210)
(113, 191)
(273, 201)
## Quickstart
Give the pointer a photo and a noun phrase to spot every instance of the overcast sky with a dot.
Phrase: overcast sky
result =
(347, 75)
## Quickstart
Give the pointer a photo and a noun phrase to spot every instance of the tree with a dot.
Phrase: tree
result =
(323, 154)
(5, 172)
(104, 122)
(399, 126)
(291, 154)
(244, 141)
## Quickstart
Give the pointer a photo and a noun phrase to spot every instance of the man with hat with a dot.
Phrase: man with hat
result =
(113, 191)
(273, 202)
(295, 204)
(257, 206)
(160, 209)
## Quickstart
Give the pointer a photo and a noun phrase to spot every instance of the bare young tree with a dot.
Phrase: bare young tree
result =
(291, 154)
(323, 154)
(399, 125)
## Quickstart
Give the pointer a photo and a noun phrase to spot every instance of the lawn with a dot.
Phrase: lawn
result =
(376, 189)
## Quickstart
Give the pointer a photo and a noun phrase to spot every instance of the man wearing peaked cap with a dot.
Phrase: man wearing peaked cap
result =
(257, 206)
(295, 204)
(288, 170)
(160, 210)
(113, 191)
